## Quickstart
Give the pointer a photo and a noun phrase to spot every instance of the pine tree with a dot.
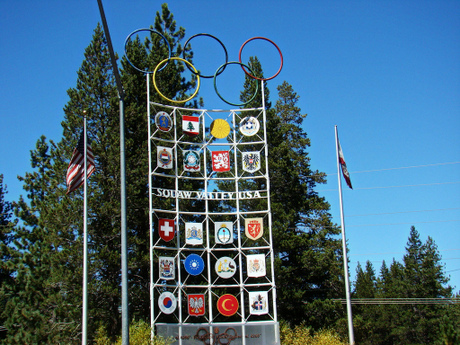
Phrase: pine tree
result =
(307, 264)
(44, 302)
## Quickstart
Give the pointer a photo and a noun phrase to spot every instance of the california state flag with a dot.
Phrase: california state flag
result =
(191, 125)
(343, 165)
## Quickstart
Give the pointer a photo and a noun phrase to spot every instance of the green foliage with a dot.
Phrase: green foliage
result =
(139, 334)
(302, 335)
(421, 275)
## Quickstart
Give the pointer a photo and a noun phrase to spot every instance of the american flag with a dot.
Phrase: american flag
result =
(75, 171)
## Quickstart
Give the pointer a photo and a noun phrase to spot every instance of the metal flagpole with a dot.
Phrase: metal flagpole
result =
(344, 246)
(85, 242)
(124, 235)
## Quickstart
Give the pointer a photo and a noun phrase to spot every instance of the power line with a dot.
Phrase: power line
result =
(402, 212)
(409, 223)
(398, 168)
(386, 187)
(401, 300)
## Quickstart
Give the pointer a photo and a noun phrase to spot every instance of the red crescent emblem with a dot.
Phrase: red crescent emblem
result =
(227, 305)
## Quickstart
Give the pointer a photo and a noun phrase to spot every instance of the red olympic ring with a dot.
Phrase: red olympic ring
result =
(279, 51)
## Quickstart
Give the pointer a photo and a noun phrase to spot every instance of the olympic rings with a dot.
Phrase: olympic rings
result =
(215, 83)
(187, 63)
(279, 51)
(152, 31)
(218, 40)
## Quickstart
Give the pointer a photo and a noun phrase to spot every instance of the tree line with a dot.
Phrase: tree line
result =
(41, 247)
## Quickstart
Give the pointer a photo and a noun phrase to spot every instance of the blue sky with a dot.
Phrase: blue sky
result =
(387, 73)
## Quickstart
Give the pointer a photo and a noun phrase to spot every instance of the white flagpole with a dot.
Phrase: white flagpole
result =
(85, 245)
(344, 246)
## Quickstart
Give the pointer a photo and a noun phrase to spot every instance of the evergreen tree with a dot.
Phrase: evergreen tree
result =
(307, 264)
(44, 301)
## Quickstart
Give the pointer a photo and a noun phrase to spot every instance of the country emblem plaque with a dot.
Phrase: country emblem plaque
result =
(194, 264)
(249, 126)
(256, 265)
(220, 161)
(167, 268)
(251, 161)
(223, 232)
(225, 267)
(220, 128)
(258, 302)
(196, 306)
(166, 229)
(191, 125)
(163, 121)
(227, 305)
(191, 160)
(167, 302)
(165, 157)
(194, 233)
(254, 228)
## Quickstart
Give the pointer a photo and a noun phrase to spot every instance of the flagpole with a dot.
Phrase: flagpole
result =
(344, 247)
(85, 242)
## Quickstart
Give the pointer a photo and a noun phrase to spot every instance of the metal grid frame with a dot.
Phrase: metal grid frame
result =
(177, 198)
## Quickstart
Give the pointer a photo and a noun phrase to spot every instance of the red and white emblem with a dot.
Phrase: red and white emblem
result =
(195, 304)
(220, 161)
(166, 229)
(191, 125)
(254, 228)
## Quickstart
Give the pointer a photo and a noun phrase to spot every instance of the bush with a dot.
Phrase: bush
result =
(139, 334)
(302, 335)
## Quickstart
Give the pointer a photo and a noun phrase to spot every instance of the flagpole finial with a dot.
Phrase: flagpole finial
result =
(84, 113)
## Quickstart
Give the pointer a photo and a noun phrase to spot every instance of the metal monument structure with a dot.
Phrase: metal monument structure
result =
(211, 254)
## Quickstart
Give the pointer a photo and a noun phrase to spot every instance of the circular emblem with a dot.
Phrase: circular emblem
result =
(167, 302)
(220, 128)
(225, 267)
(227, 305)
(163, 121)
(224, 235)
(194, 264)
(249, 126)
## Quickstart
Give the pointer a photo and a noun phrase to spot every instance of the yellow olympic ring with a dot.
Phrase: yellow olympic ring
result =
(188, 63)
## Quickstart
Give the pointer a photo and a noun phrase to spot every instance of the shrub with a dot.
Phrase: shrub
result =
(302, 335)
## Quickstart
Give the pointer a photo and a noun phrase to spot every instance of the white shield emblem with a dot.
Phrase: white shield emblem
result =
(165, 157)
(256, 265)
(191, 160)
(166, 265)
(258, 302)
(254, 228)
(251, 161)
(224, 232)
(194, 233)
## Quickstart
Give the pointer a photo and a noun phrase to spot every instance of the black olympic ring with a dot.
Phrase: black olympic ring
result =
(218, 40)
(152, 31)
(217, 91)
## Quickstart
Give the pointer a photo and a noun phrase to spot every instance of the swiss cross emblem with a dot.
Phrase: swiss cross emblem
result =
(166, 229)
(254, 228)
(220, 161)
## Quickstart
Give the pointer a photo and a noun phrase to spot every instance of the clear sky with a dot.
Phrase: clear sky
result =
(387, 73)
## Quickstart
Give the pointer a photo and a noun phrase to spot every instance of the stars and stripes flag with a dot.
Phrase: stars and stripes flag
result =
(75, 172)
(343, 165)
